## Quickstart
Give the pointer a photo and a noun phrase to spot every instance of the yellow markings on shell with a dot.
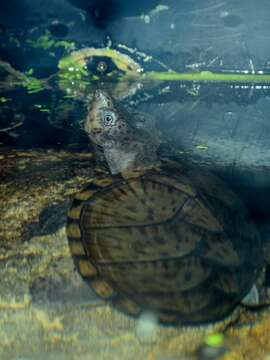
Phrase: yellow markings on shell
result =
(129, 306)
(103, 182)
(87, 269)
(84, 195)
(76, 248)
(73, 230)
(132, 174)
(75, 212)
(102, 288)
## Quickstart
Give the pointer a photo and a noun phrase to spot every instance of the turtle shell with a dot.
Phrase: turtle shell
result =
(168, 240)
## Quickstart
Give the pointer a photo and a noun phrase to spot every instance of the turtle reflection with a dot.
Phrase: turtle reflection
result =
(156, 235)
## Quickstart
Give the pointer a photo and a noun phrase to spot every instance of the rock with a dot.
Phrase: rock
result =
(35, 187)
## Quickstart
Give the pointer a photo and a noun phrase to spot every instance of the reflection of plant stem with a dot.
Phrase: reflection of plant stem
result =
(206, 76)
(12, 127)
(16, 78)
(131, 71)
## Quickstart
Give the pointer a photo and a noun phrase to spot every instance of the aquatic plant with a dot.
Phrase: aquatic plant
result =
(42, 108)
(79, 59)
(12, 39)
(15, 79)
(75, 76)
(46, 42)
(3, 100)
(33, 85)
(73, 69)
(202, 147)
(76, 79)
(208, 76)
(125, 76)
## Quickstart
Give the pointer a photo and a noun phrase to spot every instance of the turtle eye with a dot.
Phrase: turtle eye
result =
(109, 118)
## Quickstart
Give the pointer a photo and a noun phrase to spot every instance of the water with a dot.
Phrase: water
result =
(47, 158)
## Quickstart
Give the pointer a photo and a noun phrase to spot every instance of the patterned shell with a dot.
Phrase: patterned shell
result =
(168, 240)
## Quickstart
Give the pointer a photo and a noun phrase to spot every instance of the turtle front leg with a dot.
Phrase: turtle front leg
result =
(264, 286)
(259, 294)
(264, 295)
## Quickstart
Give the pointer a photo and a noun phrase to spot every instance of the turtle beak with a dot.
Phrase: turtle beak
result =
(102, 99)
(98, 94)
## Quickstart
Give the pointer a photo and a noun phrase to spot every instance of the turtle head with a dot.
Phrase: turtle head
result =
(104, 122)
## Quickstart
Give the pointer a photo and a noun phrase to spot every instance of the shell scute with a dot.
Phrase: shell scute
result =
(160, 240)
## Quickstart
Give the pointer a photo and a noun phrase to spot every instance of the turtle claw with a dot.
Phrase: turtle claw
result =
(252, 298)
(257, 296)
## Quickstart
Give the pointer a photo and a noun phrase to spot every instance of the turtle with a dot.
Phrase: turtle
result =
(156, 234)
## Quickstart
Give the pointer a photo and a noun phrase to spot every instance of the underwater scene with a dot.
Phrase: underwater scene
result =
(135, 180)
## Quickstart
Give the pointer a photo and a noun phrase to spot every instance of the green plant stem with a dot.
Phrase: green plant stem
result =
(206, 76)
